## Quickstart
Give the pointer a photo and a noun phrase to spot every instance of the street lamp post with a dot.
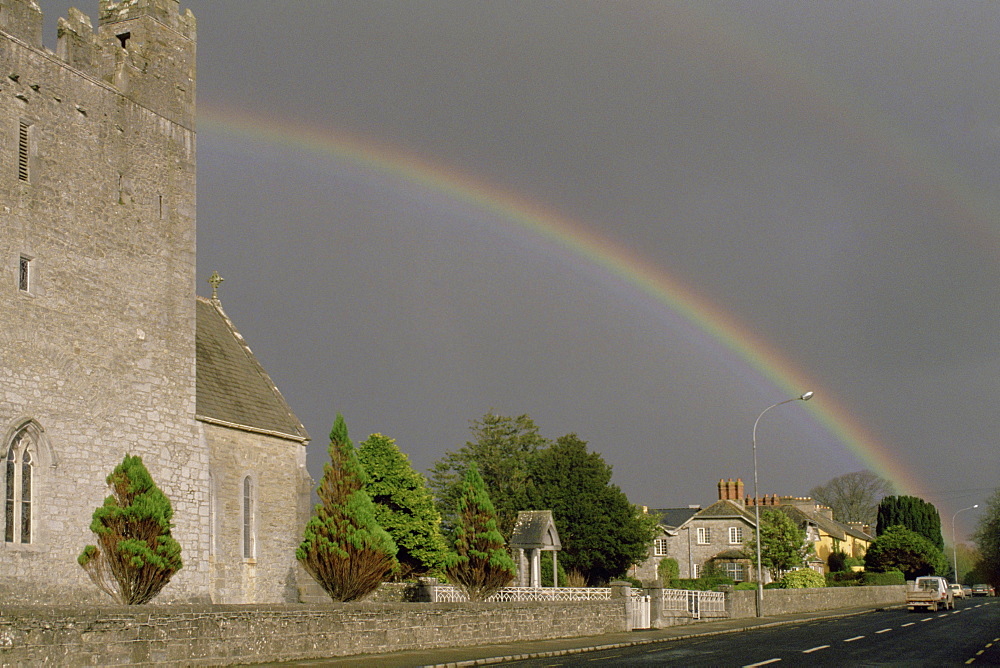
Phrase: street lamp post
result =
(954, 543)
(756, 499)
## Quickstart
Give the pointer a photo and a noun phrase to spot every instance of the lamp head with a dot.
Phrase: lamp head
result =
(807, 396)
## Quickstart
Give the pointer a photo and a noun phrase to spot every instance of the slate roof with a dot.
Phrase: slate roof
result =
(827, 525)
(535, 529)
(232, 387)
(727, 508)
(673, 518)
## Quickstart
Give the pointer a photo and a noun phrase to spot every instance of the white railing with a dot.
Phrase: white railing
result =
(696, 603)
(452, 594)
(712, 603)
(676, 599)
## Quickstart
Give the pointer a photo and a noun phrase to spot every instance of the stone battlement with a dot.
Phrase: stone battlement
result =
(143, 48)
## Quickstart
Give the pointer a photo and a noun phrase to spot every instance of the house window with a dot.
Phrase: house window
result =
(248, 524)
(18, 465)
(23, 151)
(660, 547)
(735, 535)
(696, 572)
(704, 536)
(735, 571)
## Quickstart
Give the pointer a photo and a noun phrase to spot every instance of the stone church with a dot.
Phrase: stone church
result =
(106, 349)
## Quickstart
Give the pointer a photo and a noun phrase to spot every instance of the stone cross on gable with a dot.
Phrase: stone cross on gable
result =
(214, 281)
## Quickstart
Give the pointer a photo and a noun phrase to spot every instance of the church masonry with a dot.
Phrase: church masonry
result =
(105, 348)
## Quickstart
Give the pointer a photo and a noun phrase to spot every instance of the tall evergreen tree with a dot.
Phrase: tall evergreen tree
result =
(502, 451)
(344, 548)
(480, 564)
(913, 513)
(602, 534)
(136, 556)
(403, 506)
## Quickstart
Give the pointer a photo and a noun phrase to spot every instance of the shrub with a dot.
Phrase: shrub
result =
(837, 561)
(136, 556)
(879, 579)
(745, 586)
(668, 570)
(843, 579)
(804, 578)
(574, 578)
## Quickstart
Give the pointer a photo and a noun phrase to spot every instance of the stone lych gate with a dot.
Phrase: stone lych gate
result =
(534, 533)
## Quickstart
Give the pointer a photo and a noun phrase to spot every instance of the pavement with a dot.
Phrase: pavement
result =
(482, 655)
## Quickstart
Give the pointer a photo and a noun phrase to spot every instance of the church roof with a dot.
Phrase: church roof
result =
(233, 389)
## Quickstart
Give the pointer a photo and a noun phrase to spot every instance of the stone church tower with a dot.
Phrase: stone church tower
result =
(104, 347)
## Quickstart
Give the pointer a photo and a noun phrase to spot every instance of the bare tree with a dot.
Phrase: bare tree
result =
(854, 497)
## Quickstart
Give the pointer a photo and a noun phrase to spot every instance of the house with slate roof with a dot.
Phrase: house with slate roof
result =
(719, 534)
(825, 533)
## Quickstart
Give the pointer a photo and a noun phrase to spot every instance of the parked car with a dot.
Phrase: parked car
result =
(980, 590)
(968, 590)
(957, 591)
(931, 592)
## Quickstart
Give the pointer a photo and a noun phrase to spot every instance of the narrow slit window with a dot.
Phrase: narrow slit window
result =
(24, 274)
(248, 542)
(124, 38)
(23, 151)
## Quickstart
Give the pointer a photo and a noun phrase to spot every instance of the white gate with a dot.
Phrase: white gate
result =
(638, 611)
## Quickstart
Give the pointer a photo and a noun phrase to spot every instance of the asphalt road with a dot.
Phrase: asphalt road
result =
(970, 634)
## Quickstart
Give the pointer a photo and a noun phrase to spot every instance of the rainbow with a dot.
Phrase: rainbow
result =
(615, 260)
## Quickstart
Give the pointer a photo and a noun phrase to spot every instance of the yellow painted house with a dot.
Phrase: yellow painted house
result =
(826, 534)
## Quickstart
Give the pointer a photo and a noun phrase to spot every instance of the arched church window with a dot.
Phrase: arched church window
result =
(18, 466)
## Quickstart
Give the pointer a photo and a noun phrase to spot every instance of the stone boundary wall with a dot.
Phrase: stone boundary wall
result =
(784, 601)
(218, 635)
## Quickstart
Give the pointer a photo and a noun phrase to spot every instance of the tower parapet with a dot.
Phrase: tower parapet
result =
(148, 53)
(23, 20)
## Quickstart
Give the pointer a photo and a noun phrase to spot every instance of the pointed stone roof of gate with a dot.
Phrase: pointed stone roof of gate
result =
(534, 530)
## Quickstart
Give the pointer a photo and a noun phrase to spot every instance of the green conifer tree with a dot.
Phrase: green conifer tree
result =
(344, 548)
(403, 506)
(480, 564)
(913, 513)
(135, 555)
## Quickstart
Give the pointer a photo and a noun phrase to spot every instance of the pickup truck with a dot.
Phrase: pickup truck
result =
(929, 591)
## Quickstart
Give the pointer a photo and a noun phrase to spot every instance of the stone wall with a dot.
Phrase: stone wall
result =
(784, 601)
(280, 493)
(224, 635)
